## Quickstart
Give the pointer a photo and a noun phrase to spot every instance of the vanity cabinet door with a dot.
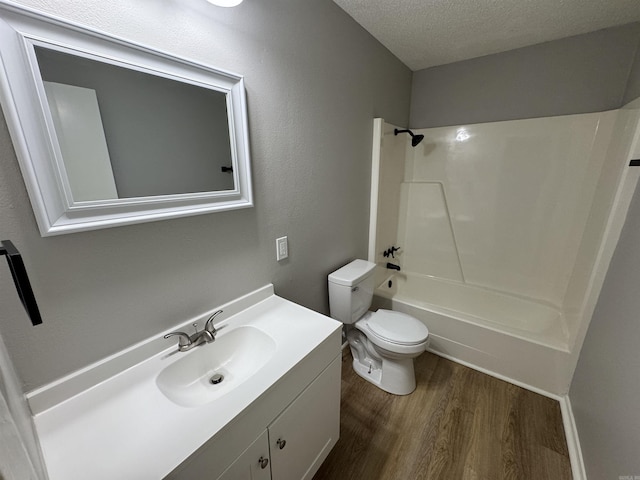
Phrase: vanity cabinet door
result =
(253, 464)
(304, 434)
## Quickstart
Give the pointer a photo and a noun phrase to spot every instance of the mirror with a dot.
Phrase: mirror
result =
(110, 133)
(144, 135)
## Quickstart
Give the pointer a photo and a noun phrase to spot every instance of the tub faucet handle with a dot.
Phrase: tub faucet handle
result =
(391, 251)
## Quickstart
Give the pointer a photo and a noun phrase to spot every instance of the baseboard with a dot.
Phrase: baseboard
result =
(568, 421)
(499, 376)
(573, 442)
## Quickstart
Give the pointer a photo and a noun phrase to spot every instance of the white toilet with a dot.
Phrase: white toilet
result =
(383, 343)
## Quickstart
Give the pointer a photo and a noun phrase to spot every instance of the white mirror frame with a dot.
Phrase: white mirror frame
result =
(27, 113)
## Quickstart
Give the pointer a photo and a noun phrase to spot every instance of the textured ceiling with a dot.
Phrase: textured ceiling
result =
(424, 33)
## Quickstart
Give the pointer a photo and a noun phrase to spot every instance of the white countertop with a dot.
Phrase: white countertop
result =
(124, 427)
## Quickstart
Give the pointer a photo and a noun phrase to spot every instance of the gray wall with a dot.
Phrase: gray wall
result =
(585, 73)
(605, 389)
(633, 85)
(315, 80)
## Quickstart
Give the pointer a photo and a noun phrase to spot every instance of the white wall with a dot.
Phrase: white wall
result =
(315, 80)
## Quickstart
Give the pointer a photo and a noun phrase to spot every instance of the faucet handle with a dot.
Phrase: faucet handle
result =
(209, 325)
(390, 252)
(185, 340)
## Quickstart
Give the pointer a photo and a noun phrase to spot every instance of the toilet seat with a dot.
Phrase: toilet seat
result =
(397, 328)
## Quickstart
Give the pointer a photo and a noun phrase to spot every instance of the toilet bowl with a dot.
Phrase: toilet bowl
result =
(383, 343)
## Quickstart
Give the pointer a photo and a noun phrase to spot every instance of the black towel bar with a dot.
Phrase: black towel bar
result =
(21, 280)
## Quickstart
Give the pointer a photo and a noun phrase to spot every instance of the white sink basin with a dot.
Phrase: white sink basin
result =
(237, 355)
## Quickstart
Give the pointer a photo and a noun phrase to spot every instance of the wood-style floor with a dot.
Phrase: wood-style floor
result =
(458, 424)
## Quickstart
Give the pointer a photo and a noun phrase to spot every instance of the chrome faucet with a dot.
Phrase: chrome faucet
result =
(206, 335)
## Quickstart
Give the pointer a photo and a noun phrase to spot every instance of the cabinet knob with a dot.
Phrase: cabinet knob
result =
(263, 462)
(281, 443)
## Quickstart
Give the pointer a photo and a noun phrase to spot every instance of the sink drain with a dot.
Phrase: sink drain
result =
(216, 379)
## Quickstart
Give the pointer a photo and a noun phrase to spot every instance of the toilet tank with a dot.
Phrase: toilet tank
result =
(351, 291)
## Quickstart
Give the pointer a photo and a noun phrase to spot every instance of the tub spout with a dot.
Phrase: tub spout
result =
(393, 266)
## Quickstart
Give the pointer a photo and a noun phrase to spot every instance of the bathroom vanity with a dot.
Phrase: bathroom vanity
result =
(152, 412)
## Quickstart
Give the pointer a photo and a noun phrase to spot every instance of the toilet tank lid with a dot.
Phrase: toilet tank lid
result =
(352, 273)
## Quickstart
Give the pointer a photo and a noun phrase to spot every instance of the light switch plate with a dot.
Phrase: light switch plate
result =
(282, 248)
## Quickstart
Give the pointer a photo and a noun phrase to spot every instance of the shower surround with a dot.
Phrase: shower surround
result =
(504, 229)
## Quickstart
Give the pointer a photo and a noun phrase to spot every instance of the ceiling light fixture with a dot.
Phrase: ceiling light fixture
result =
(225, 3)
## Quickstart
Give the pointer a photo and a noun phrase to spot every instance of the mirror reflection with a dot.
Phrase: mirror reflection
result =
(124, 133)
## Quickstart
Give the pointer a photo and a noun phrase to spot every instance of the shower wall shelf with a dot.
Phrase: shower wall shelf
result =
(21, 280)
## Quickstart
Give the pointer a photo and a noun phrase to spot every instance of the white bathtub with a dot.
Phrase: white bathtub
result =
(514, 338)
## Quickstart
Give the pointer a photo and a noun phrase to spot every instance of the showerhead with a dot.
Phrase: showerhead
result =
(415, 139)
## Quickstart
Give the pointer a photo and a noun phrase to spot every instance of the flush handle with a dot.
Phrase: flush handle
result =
(281, 443)
(263, 462)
